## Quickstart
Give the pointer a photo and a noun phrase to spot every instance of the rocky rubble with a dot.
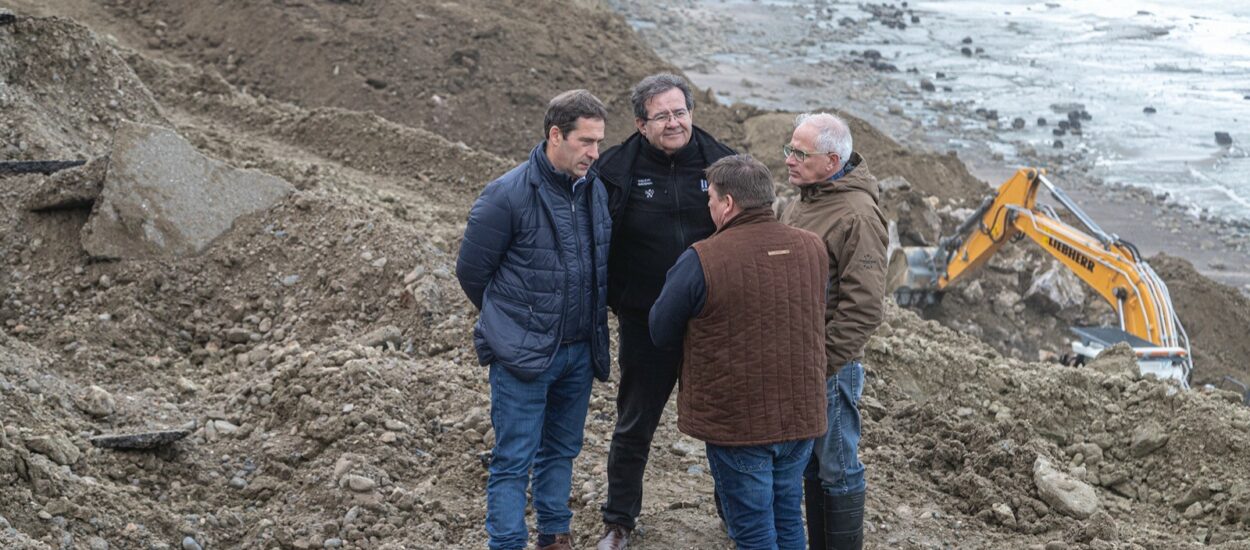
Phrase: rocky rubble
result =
(316, 355)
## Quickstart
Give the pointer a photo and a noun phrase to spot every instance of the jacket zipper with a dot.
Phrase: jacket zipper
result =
(681, 223)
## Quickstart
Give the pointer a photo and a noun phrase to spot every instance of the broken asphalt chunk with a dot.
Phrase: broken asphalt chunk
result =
(141, 440)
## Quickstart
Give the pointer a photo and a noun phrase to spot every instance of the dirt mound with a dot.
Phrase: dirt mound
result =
(1216, 317)
(480, 72)
(942, 176)
(949, 413)
(42, 59)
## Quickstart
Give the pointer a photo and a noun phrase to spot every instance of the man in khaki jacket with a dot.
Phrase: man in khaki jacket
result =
(838, 200)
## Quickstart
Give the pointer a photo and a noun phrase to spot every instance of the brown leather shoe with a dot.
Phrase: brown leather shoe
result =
(615, 537)
(564, 541)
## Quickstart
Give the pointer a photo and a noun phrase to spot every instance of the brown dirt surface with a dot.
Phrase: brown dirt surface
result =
(1217, 319)
(319, 351)
(480, 71)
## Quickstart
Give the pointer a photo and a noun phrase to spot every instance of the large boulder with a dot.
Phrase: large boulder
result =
(161, 197)
(1056, 289)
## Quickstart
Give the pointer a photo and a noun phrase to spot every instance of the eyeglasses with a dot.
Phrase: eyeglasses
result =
(664, 118)
(800, 154)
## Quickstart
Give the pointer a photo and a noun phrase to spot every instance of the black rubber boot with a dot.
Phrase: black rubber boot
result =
(814, 502)
(844, 522)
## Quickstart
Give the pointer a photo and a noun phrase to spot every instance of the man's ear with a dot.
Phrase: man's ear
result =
(554, 136)
(640, 124)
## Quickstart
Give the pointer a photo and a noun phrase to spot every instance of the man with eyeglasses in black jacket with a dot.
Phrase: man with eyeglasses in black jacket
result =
(657, 197)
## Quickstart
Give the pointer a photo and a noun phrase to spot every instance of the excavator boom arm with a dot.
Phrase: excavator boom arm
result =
(1109, 266)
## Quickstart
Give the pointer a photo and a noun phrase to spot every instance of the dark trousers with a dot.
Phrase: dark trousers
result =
(648, 375)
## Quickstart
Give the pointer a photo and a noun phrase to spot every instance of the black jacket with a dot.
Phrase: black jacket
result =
(658, 205)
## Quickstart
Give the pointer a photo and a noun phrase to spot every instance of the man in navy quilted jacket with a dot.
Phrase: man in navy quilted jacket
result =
(534, 262)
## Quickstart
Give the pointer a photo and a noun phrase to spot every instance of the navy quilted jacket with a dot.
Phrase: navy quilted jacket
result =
(511, 267)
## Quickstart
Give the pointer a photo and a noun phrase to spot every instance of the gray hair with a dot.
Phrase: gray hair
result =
(745, 179)
(654, 85)
(833, 134)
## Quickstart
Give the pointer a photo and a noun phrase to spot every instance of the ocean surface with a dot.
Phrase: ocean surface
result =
(1188, 60)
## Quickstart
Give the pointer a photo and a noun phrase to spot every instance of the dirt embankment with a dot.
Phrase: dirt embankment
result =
(319, 351)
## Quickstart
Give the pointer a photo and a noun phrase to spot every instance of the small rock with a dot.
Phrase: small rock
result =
(289, 280)
(7, 17)
(238, 335)
(189, 543)
(1063, 492)
(97, 402)
(358, 483)
(379, 337)
(237, 482)
(894, 182)
(1017, 123)
(966, 51)
(97, 543)
(225, 427)
(1148, 438)
(1149, 110)
(967, 40)
(1222, 138)
(1058, 144)
(1041, 121)
(1194, 511)
(927, 85)
(333, 542)
(1004, 515)
(57, 447)
(1056, 545)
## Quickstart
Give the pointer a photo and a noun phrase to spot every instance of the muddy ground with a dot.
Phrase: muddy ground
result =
(319, 351)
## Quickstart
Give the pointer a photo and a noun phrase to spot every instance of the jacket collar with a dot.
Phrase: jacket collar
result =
(544, 171)
(691, 151)
(616, 165)
(750, 216)
(850, 178)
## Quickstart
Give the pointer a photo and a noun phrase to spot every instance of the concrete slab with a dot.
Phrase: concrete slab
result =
(162, 197)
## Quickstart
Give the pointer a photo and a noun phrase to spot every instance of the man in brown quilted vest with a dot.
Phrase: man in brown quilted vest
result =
(838, 201)
(749, 303)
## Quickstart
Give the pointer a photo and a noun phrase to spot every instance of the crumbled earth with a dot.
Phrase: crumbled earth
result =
(319, 350)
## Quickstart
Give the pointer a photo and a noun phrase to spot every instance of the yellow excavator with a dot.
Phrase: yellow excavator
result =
(1110, 265)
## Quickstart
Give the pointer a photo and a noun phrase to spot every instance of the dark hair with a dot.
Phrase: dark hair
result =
(745, 179)
(566, 108)
(654, 85)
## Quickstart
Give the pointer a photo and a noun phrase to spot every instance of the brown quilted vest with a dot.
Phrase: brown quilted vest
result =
(753, 371)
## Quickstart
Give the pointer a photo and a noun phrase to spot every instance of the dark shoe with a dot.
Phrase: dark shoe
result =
(615, 537)
(844, 522)
(564, 541)
(814, 502)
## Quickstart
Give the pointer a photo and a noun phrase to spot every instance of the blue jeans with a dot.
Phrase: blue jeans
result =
(761, 493)
(537, 424)
(835, 456)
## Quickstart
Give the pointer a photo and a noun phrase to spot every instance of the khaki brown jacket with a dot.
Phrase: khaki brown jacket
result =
(753, 368)
(845, 214)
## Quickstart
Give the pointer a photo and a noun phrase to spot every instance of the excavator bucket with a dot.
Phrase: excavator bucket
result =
(912, 276)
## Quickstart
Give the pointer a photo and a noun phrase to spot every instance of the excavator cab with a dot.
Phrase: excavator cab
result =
(1111, 266)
